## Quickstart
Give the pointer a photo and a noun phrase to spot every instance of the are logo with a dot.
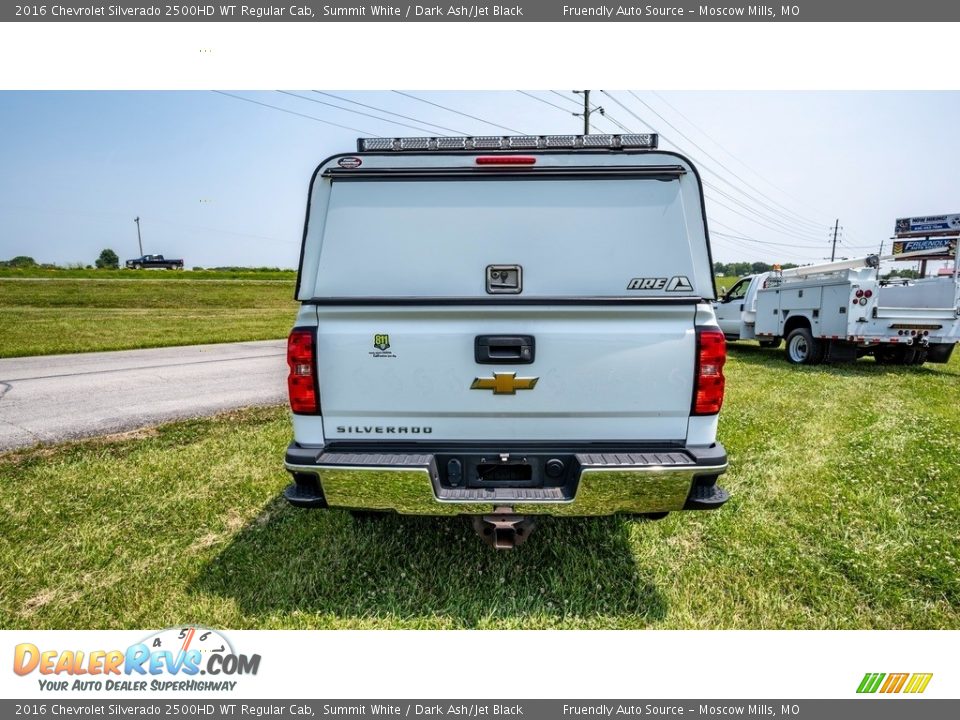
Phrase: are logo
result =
(894, 683)
(678, 283)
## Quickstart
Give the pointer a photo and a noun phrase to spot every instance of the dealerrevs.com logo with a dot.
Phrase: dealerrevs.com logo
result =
(179, 659)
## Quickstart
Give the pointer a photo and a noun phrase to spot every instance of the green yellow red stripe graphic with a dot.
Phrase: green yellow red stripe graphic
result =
(894, 683)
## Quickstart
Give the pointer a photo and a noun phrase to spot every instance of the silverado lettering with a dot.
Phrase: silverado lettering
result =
(400, 430)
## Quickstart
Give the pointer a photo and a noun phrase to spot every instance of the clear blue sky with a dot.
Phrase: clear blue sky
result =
(219, 181)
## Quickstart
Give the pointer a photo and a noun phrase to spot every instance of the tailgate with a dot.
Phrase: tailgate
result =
(607, 372)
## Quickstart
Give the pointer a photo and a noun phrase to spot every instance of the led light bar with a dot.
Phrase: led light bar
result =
(643, 141)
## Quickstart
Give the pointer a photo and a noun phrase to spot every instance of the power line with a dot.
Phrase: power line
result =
(616, 122)
(749, 238)
(567, 112)
(788, 212)
(389, 112)
(292, 112)
(546, 102)
(764, 225)
(733, 156)
(605, 114)
(747, 243)
(356, 112)
(786, 229)
(457, 112)
(791, 229)
(706, 167)
(566, 97)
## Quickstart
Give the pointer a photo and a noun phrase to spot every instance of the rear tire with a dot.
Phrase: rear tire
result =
(803, 348)
(887, 355)
(913, 355)
(138, 267)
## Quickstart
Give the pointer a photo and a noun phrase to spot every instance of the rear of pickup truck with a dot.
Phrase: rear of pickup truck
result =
(505, 332)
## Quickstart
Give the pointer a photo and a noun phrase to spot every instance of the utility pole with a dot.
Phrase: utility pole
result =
(833, 252)
(587, 112)
(139, 241)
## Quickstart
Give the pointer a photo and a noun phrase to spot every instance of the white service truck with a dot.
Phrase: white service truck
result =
(506, 327)
(843, 310)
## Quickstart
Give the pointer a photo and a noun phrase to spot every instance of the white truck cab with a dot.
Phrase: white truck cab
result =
(505, 327)
(737, 308)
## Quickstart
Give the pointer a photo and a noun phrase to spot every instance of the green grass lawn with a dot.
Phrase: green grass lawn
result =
(67, 315)
(845, 514)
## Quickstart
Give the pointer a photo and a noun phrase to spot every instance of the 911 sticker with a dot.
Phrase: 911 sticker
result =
(678, 283)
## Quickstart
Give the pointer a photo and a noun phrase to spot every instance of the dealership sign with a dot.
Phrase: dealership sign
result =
(938, 247)
(927, 226)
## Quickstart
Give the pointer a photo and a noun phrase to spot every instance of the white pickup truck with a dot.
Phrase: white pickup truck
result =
(505, 327)
(842, 311)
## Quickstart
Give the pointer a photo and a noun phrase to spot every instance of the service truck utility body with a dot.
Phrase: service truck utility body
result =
(841, 311)
(505, 332)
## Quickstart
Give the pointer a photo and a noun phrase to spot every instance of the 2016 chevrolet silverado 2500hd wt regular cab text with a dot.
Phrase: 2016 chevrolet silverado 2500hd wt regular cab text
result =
(504, 328)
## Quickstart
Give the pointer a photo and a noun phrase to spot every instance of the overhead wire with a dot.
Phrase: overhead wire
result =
(458, 112)
(786, 211)
(733, 156)
(594, 107)
(293, 112)
(727, 236)
(713, 172)
(546, 102)
(780, 226)
(758, 222)
(389, 112)
(356, 112)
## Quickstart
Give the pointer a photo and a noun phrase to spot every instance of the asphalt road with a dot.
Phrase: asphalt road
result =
(53, 398)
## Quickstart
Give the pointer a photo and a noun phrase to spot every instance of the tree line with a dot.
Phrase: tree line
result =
(739, 269)
(107, 260)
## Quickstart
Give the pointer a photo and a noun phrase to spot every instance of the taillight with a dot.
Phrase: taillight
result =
(302, 380)
(709, 382)
(868, 293)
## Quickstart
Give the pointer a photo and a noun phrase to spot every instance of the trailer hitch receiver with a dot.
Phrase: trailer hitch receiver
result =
(503, 530)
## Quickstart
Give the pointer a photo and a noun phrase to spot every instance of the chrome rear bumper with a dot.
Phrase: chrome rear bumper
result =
(607, 484)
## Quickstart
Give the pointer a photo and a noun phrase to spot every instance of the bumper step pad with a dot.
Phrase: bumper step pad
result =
(706, 497)
(305, 493)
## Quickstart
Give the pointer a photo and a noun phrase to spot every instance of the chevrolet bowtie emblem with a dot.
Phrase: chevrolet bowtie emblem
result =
(504, 383)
